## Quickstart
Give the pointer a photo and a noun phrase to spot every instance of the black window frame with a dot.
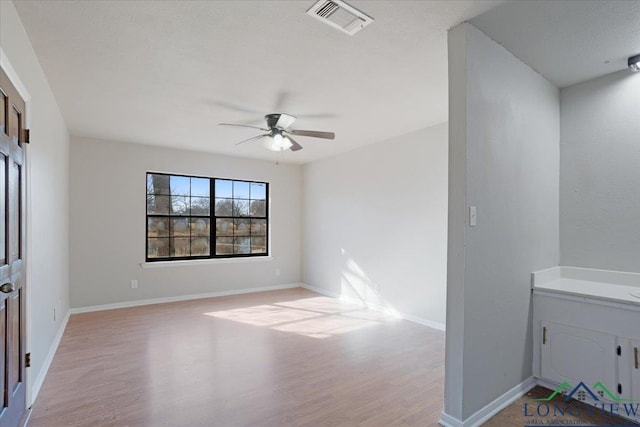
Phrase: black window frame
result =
(212, 220)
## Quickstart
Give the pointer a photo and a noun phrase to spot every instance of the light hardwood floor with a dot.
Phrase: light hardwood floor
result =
(282, 358)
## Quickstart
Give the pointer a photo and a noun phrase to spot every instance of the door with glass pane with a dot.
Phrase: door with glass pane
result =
(12, 289)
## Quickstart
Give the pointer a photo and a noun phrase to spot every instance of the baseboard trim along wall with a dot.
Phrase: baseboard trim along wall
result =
(137, 303)
(492, 408)
(415, 319)
(37, 384)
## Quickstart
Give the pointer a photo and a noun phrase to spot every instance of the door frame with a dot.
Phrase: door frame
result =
(26, 96)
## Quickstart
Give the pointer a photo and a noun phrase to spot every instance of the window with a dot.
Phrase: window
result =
(187, 216)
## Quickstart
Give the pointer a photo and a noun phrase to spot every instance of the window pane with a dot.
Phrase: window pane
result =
(200, 206)
(158, 205)
(200, 187)
(224, 189)
(200, 227)
(179, 205)
(258, 191)
(179, 216)
(224, 227)
(240, 190)
(158, 227)
(258, 208)
(224, 245)
(158, 184)
(180, 186)
(180, 227)
(258, 227)
(200, 246)
(242, 227)
(240, 207)
(241, 245)
(180, 247)
(258, 245)
(224, 207)
(158, 248)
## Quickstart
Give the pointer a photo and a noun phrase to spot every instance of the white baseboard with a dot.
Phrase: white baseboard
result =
(409, 317)
(322, 291)
(37, 384)
(424, 322)
(447, 420)
(137, 303)
(492, 408)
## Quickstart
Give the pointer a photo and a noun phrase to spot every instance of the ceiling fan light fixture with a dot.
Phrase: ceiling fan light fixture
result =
(277, 143)
(276, 138)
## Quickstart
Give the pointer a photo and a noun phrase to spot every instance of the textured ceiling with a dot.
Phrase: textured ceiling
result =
(166, 73)
(567, 41)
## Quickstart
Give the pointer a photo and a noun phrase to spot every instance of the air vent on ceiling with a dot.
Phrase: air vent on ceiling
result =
(340, 15)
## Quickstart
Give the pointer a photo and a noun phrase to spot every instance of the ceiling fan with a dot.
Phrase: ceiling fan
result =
(278, 133)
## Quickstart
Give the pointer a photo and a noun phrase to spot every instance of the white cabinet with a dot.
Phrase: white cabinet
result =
(574, 354)
(586, 328)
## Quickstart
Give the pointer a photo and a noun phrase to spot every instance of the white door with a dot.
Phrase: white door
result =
(578, 355)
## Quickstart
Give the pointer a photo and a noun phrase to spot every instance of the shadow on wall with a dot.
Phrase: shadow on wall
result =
(358, 288)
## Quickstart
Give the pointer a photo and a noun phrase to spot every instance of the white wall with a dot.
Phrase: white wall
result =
(47, 231)
(375, 224)
(107, 233)
(600, 173)
(504, 159)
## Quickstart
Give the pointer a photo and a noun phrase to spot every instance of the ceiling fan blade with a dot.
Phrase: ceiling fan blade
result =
(294, 144)
(242, 126)
(233, 107)
(281, 101)
(285, 121)
(252, 139)
(314, 134)
(317, 116)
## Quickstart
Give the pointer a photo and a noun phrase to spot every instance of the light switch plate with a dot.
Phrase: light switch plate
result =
(473, 216)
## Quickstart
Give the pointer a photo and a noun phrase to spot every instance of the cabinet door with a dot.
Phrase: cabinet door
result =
(635, 374)
(573, 354)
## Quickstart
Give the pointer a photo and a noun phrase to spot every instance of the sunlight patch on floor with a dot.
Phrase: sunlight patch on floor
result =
(317, 317)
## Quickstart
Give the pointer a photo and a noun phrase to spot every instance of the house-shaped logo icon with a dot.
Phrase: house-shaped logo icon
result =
(581, 392)
(584, 393)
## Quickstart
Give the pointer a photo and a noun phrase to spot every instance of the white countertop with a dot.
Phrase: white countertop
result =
(612, 286)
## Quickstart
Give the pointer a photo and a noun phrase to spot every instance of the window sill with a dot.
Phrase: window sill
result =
(184, 263)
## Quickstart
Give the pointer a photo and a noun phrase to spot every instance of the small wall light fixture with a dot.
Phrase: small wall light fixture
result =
(634, 63)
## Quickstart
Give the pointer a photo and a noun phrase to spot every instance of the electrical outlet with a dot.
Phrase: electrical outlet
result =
(134, 284)
(277, 271)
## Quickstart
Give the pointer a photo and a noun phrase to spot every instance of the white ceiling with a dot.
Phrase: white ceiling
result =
(567, 41)
(166, 73)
